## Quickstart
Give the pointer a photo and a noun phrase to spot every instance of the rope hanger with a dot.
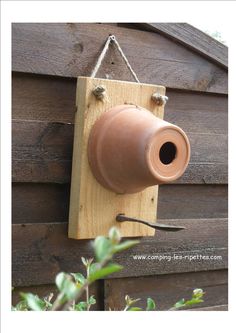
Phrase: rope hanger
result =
(112, 39)
(100, 91)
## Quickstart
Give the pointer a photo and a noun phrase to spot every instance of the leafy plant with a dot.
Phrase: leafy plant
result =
(196, 298)
(71, 287)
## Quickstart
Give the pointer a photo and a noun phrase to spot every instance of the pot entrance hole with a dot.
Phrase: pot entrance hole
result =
(167, 153)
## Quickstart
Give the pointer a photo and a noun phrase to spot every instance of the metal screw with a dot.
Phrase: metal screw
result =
(159, 99)
(99, 92)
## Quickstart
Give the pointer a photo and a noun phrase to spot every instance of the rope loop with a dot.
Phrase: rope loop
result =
(112, 39)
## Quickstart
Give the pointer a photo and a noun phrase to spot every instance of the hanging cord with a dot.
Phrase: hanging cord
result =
(100, 91)
(112, 39)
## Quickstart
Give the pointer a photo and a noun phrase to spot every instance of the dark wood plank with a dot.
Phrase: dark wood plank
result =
(43, 290)
(192, 201)
(197, 112)
(40, 251)
(36, 203)
(166, 290)
(72, 49)
(42, 152)
(192, 38)
(45, 98)
(40, 203)
(52, 99)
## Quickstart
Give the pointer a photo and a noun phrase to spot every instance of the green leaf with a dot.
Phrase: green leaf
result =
(198, 293)
(103, 248)
(21, 306)
(103, 272)
(124, 246)
(114, 235)
(130, 301)
(92, 300)
(150, 304)
(84, 261)
(193, 301)
(78, 277)
(33, 301)
(66, 286)
(81, 306)
(180, 303)
(94, 267)
(134, 308)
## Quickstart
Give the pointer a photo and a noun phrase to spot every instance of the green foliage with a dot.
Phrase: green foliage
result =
(105, 248)
(66, 286)
(135, 308)
(21, 306)
(33, 302)
(103, 272)
(74, 285)
(129, 302)
(79, 278)
(114, 235)
(150, 304)
(81, 306)
(124, 246)
(196, 298)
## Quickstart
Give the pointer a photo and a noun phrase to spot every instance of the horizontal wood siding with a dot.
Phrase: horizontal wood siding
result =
(72, 49)
(47, 58)
(42, 144)
(166, 290)
(191, 38)
(37, 203)
(45, 248)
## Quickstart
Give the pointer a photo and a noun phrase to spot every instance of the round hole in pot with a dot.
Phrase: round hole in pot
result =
(167, 153)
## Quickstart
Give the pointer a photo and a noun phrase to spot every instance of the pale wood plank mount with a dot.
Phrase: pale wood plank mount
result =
(93, 209)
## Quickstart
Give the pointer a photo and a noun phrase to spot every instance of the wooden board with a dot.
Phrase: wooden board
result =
(71, 49)
(38, 203)
(45, 248)
(42, 152)
(166, 290)
(52, 99)
(50, 110)
(93, 208)
(191, 38)
(38, 145)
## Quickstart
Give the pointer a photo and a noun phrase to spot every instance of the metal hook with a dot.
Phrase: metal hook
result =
(159, 226)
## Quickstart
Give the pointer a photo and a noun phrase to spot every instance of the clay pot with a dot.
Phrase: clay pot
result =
(130, 149)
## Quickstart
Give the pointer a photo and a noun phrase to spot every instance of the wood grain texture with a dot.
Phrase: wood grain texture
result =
(42, 97)
(166, 290)
(45, 248)
(96, 289)
(52, 99)
(70, 50)
(38, 203)
(191, 38)
(42, 152)
(93, 208)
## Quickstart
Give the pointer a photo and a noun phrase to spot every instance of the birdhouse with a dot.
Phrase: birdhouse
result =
(123, 149)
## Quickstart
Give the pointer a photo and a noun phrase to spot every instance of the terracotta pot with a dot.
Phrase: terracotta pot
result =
(130, 149)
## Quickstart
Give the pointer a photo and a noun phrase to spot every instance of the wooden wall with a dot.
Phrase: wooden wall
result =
(46, 59)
